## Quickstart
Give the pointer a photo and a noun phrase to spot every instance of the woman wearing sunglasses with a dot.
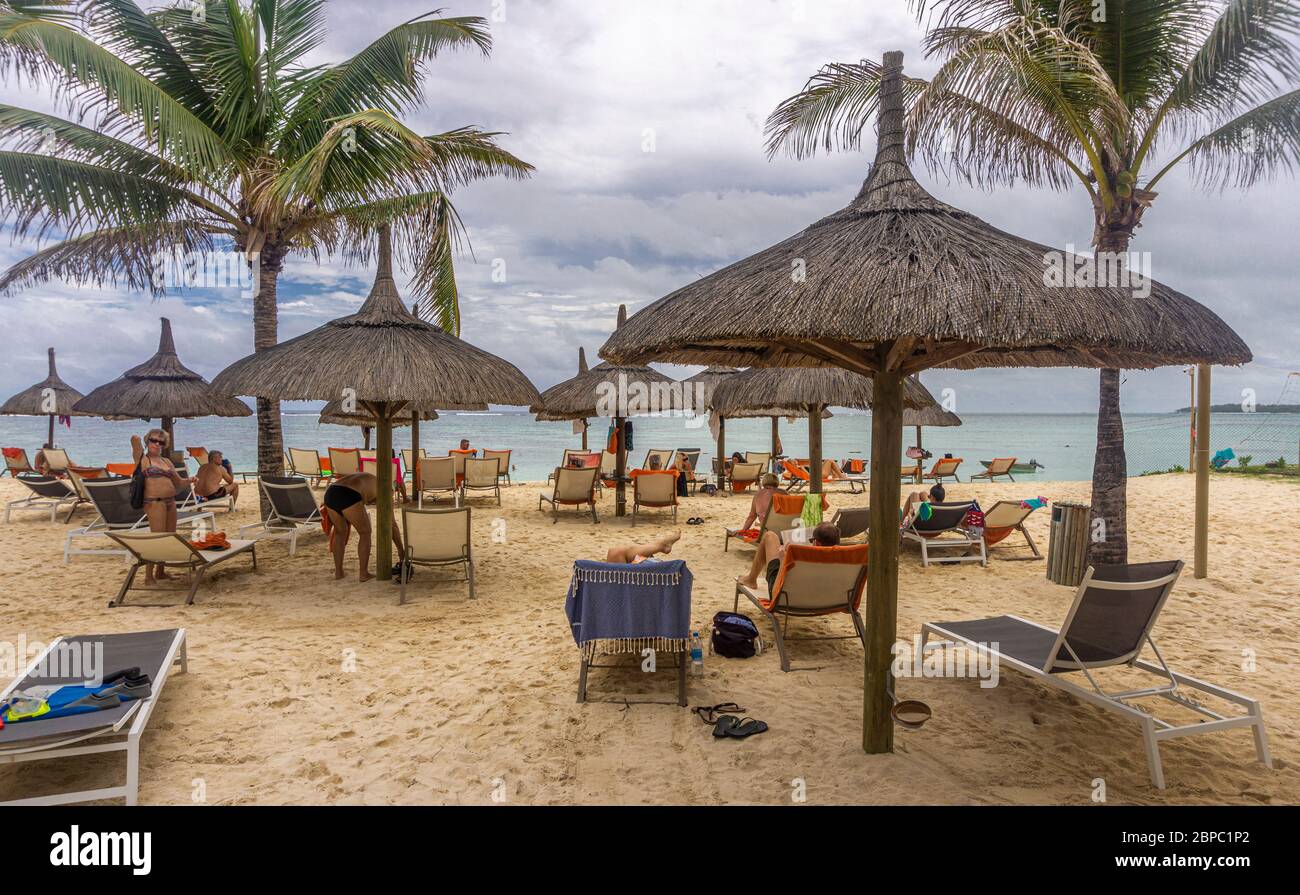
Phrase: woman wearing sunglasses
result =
(161, 482)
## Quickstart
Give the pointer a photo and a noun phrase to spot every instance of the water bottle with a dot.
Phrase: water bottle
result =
(697, 655)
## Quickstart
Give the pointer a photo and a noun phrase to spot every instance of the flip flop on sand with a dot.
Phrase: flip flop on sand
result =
(743, 728)
(726, 724)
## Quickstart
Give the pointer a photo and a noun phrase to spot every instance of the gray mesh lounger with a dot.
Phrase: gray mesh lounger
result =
(111, 730)
(1108, 625)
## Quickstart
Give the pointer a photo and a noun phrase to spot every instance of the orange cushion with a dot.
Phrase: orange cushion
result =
(848, 554)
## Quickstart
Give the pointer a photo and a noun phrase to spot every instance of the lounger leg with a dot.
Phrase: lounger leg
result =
(184, 657)
(133, 771)
(1153, 754)
(126, 585)
(1030, 541)
(780, 641)
(862, 629)
(595, 520)
(984, 554)
(470, 565)
(1261, 738)
(194, 586)
(582, 678)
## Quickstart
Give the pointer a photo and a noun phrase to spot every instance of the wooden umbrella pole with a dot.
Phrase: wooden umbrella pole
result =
(50, 442)
(882, 565)
(585, 426)
(920, 461)
(722, 456)
(776, 440)
(620, 467)
(415, 453)
(1201, 551)
(384, 492)
(815, 449)
(168, 426)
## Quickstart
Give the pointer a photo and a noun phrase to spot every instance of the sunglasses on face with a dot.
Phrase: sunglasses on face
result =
(157, 441)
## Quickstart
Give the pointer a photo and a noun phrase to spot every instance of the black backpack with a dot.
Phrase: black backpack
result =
(735, 636)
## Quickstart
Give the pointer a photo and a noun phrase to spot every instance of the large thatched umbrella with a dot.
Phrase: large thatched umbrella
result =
(807, 391)
(546, 416)
(161, 388)
(710, 378)
(618, 391)
(50, 397)
(934, 416)
(385, 358)
(896, 283)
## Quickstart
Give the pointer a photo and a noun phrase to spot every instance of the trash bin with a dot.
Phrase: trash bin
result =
(1067, 547)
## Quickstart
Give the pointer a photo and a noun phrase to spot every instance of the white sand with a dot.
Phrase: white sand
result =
(454, 701)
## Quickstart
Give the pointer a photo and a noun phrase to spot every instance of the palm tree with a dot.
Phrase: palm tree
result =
(1063, 92)
(199, 126)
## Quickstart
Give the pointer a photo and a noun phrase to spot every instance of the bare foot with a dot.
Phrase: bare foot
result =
(666, 544)
(339, 576)
(365, 576)
(748, 582)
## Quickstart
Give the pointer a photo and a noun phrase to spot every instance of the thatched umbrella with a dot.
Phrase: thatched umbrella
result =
(934, 416)
(618, 391)
(807, 391)
(161, 388)
(385, 358)
(710, 378)
(546, 416)
(50, 397)
(896, 283)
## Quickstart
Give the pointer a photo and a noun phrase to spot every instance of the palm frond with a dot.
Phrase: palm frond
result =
(1254, 147)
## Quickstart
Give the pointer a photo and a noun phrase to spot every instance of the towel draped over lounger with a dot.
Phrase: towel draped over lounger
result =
(619, 609)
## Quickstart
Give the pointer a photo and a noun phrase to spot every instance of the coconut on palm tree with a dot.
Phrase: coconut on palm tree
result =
(194, 128)
(1112, 96)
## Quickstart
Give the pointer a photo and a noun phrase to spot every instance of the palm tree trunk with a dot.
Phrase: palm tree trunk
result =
(1109, 537)
(270, 440)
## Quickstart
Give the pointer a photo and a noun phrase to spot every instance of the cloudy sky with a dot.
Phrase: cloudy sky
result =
(579, 87)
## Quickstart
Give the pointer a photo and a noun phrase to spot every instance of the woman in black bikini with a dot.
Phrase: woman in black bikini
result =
(345, 504)
(161, 482)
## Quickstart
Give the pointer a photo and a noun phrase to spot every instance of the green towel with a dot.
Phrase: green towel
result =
(812, 510)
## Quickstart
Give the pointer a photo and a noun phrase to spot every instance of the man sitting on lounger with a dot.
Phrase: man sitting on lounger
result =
(214, 481)
(758, 507)
(771, 550)
(631, 554)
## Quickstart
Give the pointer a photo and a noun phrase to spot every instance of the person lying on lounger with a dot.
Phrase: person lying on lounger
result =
(771, 549)
(345, 503)
(630, 554)
(919, 502)
(214, 481)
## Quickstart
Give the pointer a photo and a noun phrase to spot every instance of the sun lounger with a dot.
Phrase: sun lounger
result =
(944, 531)
(305, 464)
(945, 468)
(913, 473)
(503, 467)
(609, 469)
(795, 474)
(762, 458)
(117, 729)
(655, 489)
(16, 461)
(408, 460)
(852, 522)
(999, 466)
(1109, 625)
(693, 479)
(47, 493)
(112, 501)
(56, 461)
(482, 475)
(812, 581)
(664, 457)
(344, 461)
(293, 511)
(1003, 518)
(437, 539)
(573, 488)
(175, 552)
(744, 475)
(438, 476)
(784, 513)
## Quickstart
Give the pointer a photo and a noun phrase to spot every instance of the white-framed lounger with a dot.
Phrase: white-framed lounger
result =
(122, 736)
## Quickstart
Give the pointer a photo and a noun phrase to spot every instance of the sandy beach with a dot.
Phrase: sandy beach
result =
(304, 690)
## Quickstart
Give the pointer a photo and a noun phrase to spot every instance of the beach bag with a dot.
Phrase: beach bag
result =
(735, 636)
(137, 487)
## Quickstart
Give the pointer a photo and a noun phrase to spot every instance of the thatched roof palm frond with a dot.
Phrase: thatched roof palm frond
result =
(160, 387)
(782, 392)
(382, 353)
(583, 396)
(901, 271)
(333, 414)
(931, 417)
(32, 401)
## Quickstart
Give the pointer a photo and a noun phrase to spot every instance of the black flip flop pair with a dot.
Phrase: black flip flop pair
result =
(727, 725)
(695, 520)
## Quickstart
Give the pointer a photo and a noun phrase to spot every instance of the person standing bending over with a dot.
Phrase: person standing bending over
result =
(345, 503)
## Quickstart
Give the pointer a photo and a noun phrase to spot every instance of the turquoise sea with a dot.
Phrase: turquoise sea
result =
(1063, 443)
